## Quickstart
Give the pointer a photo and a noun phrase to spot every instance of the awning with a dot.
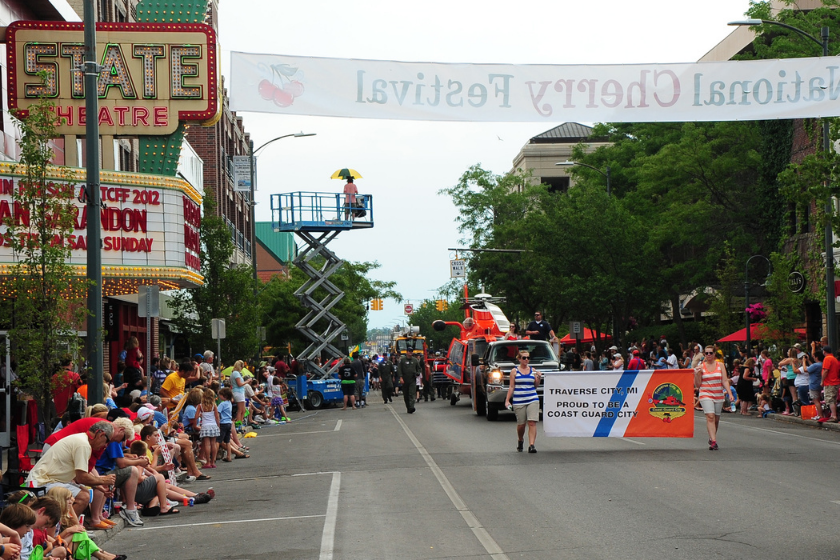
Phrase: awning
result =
(588, 337)
(758, 331)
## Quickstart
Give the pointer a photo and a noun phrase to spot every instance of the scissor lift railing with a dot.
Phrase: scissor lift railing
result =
(317, 218)
(311, 211)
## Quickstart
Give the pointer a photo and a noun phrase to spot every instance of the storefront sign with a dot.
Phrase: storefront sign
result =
(380, 89)
(152, 76)
(651, 403)
(150, 227)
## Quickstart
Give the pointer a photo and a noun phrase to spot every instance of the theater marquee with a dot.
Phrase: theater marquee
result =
(153, 74)
(150, 228)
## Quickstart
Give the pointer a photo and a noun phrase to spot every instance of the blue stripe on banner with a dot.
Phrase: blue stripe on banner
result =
(606, 423)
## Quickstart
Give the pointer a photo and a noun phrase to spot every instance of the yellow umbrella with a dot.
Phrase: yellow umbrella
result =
(346, 173)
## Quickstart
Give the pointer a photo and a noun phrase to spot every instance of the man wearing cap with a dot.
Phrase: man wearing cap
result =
(386, 374)
(636, 362)
(539, 329)
(409, 369)
(831, 381)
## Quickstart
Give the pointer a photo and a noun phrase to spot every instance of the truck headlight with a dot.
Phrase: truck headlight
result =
(496, 376)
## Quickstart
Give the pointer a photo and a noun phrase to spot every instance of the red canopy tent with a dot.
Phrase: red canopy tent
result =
(758, 331)
(588, 337)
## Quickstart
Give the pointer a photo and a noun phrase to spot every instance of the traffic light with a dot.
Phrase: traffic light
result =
(441, 305)
(376, 304)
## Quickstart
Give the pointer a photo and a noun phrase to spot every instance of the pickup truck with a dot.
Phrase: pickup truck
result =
(492, 379)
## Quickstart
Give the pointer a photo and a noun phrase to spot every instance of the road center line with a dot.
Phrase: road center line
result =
(489, 544)
(337, 426)
(226, 522)
(328, 536)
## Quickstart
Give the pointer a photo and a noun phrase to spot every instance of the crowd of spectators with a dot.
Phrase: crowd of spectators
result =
(139, 453)
(769, 380)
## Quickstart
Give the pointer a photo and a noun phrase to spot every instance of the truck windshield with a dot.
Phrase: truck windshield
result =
(415, 345)
(540, 352)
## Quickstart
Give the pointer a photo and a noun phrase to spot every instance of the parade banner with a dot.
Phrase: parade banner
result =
(649, 403)
(375, 89)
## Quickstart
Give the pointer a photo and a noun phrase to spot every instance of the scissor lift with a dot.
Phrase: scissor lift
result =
(318, 218)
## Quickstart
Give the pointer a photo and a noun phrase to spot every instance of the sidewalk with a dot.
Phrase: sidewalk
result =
(801, 421)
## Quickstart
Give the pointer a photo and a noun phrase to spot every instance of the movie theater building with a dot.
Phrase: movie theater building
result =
(156, 78)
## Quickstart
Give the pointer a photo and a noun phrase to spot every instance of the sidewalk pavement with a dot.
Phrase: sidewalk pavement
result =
(830, 426)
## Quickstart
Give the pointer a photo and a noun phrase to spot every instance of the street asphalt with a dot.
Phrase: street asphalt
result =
(444, 483)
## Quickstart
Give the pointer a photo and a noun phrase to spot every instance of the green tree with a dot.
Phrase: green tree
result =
(228, 293)
(282, 309)
(426, 313)
(786, 309)
(722, 320)
(49, 297)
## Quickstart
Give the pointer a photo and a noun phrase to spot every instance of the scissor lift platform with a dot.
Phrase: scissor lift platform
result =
(317, 218)
(318, 212)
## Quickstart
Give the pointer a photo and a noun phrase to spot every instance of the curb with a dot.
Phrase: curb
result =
(828, 426)
(101, 537)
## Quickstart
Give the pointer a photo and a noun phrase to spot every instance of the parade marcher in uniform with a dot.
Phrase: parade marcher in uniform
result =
(409, 369)
(386, 374)
(348, 383)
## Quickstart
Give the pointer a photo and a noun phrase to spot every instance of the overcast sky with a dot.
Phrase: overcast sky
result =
(405, 163)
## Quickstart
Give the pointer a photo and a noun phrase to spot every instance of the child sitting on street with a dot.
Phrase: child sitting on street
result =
(764, 406)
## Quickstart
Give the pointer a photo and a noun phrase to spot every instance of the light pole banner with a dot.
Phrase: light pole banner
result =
(375, 89)
(649, 403)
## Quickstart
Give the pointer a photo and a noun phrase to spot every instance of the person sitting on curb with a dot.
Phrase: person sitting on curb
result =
(66, 464)
(126, 472)
(71, 531)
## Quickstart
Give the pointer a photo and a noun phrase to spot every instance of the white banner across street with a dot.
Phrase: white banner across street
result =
(374, 89)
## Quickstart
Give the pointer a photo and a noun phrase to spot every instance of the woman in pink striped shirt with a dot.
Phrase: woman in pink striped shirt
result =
(710, 376)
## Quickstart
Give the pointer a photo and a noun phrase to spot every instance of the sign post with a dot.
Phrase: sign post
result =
(217, 331)
(148, 306)
(457, 268)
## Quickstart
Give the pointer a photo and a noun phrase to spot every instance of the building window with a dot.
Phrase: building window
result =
(556, 184)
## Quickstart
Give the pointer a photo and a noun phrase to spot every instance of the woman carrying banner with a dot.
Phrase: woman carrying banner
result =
(524, 381)
(710, 376)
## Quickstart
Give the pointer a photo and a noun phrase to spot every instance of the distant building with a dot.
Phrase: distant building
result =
(545, 150)
(275, 250)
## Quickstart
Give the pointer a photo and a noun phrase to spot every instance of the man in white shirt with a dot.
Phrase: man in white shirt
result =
(673, 363)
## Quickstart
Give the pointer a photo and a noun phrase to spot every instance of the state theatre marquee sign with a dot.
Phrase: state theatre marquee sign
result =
(150, 228)
(153, 75)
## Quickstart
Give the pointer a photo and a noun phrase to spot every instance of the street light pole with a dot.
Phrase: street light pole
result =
(606, 175)
(92, 199)
(747, 293)
(830, 308)
(252, 153)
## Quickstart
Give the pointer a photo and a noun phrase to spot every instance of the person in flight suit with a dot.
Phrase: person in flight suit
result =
(386, 374)
(409, 369)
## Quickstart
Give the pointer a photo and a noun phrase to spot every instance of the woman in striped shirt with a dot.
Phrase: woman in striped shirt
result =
(710, 376)
(524, 381)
